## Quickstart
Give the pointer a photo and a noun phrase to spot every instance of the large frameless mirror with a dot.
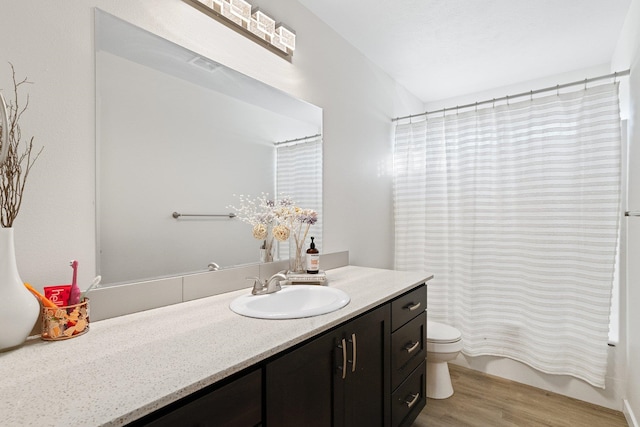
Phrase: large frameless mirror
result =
(177, 132)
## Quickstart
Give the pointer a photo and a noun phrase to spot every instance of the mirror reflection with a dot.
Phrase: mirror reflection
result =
(177, 132)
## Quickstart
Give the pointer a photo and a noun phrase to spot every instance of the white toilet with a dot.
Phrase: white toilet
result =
(444, 342)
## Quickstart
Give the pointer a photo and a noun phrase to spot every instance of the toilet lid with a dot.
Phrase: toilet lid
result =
(439, 332)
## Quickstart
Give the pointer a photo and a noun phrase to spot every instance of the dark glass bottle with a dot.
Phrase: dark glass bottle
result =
(313, 259)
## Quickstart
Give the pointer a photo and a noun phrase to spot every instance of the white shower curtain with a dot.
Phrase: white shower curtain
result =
(515, 209)
(299, 176)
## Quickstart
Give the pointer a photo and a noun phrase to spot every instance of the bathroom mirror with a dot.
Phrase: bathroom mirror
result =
(177, 132)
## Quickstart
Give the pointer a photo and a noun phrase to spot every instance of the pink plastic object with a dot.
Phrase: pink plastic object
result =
(74, 295)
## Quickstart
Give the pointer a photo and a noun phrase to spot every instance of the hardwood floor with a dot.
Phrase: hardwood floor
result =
(482, 400)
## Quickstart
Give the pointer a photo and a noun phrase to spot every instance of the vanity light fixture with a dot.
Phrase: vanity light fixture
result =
(252, 22)
(262, 24)
(287, 37)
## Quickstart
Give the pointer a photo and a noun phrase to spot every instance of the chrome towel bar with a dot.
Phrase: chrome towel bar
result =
(177, 215)
(632, 213)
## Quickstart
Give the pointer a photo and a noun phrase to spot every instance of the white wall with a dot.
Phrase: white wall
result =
(52, 44)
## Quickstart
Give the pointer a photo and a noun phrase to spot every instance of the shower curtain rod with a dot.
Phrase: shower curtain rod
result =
(304, 138)
(519, 95)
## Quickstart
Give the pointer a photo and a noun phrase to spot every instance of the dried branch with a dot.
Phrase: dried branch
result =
(15, 170)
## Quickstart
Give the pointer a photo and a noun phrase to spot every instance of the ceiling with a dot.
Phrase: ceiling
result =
(440, 49)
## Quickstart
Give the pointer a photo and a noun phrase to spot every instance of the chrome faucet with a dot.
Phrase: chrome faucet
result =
(268, 286)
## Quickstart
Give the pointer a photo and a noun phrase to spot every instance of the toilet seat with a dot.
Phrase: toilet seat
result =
(442, 334)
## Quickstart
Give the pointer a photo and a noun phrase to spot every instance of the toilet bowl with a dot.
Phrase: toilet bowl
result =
(444, 342)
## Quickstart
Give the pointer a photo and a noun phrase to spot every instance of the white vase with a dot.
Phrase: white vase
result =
(20, 309)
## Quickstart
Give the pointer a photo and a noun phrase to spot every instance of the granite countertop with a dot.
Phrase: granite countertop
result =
(129, 366)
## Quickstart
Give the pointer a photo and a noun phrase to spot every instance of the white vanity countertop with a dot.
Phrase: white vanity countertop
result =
(129, 366)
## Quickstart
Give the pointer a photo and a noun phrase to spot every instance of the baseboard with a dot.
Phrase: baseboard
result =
(628, 414)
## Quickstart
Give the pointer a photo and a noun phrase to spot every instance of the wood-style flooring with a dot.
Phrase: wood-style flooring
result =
(481, 400)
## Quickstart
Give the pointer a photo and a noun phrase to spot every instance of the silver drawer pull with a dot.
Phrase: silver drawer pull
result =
(414, 399)
(353, 352)
(343, 346)
(411, 347)
(412, 307)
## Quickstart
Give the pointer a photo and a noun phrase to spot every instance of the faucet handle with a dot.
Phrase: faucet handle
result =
(258, 286)
(279, 275)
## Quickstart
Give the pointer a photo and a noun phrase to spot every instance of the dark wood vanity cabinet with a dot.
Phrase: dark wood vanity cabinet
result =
(338, 379)
(369, 371)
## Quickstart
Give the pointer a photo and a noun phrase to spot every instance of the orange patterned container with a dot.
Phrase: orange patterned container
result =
(66, 322)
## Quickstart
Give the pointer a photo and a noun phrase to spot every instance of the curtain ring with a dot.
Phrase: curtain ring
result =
(494, 103)
(531, 95)
(585, 84)
(507, 99)
(476, 106)
(615, 76)
(557, 90)
(456, 110)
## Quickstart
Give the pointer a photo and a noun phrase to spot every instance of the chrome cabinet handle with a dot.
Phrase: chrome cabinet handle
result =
(343, 346)
(414, 399)
(411, 347)
(353, 352)
(412, 307)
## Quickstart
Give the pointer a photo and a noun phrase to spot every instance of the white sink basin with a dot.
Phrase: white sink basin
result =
(292, 302)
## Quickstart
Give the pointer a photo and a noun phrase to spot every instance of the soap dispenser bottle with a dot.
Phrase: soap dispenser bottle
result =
(313, 259)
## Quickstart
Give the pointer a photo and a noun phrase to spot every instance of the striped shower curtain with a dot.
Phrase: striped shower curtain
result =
(516, 210)
(299, 176)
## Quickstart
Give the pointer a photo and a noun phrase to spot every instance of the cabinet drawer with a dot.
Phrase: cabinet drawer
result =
(408, 348)
(408, 306)
(409, 399)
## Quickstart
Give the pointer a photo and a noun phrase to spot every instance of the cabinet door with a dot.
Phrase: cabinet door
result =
(299, 385)
(236, 404)
(366, 397)
(338, 379)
